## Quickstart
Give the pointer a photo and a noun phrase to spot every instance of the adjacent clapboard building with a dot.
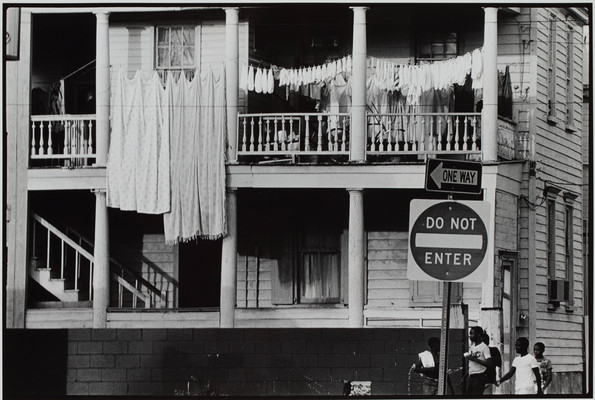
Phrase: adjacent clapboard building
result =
(215, 200)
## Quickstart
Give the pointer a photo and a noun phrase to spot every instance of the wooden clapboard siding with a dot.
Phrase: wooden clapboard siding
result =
(558, 160)
(212, 45)
(254, 281)
(387, 284)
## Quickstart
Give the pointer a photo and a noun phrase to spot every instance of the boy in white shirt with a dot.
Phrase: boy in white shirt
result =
(480, 359)
(528, 378)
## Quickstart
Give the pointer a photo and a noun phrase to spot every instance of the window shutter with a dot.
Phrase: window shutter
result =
(283, 275)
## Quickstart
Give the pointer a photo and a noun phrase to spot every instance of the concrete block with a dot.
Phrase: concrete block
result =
(113, 374)
(103, 334)
(179, 334)
(79, 334)
(141, 347)
(78, 361)
(90, 348)
(127, 361)
(331, 360)
(154, 334)
(77, 388)
(128, 334)
(102, 361)
(293, 346)
(115, 347)
(88, 375)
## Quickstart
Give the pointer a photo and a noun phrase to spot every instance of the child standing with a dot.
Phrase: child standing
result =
(545, 365)
(526, 368)
(427, 366)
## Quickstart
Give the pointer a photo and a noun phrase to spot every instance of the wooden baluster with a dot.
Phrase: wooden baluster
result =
(66, 149)
(344, 137)
(260, 134)
(268, 134)
(47, 256)
(90, 281)
(475, 133)
(285, 134)
(328, 133)
(41, 141)
(276, 133)
(61, 257)
(434, 139)
(466, 145)
(33, 149)
(50, 142)
(381, 131)
(439, 134)
(390, 146)
(77, 270)
(120, 295)
(307, 134)
(422, 138)
(319, 146)
(452, 139)
(244, 134)
(134, 296)
(290, 135)
(251, 134)
(457, 126)
(90, 149)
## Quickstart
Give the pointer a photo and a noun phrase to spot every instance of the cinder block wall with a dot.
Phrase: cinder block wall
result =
(162, 362)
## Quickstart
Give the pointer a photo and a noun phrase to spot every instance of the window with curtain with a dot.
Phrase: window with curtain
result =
(175, 51)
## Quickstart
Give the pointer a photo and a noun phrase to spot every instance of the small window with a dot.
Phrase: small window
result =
(175, 51)
(434, 46)
(570, 78)
(551, 238)
(552, 37)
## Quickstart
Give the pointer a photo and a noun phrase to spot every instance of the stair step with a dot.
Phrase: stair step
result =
(62, 304)
(71, 290)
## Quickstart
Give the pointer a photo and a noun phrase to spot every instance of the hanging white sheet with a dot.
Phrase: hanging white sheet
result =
(138, 163)
(198, 134)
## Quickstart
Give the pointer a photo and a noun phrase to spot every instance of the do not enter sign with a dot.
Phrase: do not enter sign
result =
(448, 240)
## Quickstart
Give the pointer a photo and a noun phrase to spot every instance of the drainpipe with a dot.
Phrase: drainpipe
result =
(101, 245)
(489, 117)
(232, 77)
(356, 261)
(357, 150)
(228, 264)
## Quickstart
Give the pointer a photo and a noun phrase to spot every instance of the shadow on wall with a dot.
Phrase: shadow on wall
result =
(34, 363)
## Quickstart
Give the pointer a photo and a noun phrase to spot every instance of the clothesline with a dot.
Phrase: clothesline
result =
(411, 80)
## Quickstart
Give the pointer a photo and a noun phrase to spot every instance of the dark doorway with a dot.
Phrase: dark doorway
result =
(200, 273)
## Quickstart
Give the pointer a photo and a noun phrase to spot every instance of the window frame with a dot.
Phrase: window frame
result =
(570, 77)
(189, 70)
(552, 53)
(569, 208)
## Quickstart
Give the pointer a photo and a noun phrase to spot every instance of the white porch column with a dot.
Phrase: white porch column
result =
(357, 147)
(228, 263)
(232, 67)
(489, 117)
(101, 274)
(356, 267)
(102, 87)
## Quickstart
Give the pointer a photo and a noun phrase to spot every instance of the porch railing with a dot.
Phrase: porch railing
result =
(68, 140)
(424, 133)
(390, 134)
(293, 133)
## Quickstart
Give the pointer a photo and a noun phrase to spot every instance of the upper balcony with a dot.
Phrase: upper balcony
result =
(285, 125)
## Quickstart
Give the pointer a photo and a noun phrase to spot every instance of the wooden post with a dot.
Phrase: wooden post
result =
(102, 88)
(489, 117)
(228, 264)
(101, 268)
(357, 146)
(232, 79)
(356, 264)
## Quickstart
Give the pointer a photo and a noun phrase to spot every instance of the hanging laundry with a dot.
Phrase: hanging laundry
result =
(251, 78)
(258, 81)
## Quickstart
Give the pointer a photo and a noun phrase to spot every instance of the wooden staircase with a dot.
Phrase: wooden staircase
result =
(62, 263)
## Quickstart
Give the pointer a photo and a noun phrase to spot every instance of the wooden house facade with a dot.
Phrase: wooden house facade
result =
(312, 128)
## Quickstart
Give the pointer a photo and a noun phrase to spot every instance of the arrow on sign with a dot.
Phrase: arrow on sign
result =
(458, 176)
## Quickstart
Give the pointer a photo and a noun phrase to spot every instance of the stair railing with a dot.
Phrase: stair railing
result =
(82, 256)
(131, 281)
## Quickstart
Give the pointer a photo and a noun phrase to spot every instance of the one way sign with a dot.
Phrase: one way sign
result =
(453, 176)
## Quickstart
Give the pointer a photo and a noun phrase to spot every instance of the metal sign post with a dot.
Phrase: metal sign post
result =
(443, 368)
